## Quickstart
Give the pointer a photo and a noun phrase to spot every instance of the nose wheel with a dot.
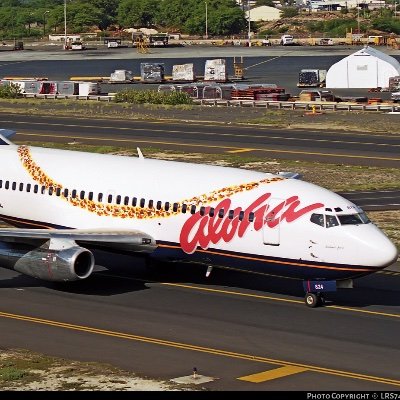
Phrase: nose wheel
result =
(313, 300)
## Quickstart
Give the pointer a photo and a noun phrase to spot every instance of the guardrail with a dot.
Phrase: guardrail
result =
(300, 105)
(98, 97)
(280, 105)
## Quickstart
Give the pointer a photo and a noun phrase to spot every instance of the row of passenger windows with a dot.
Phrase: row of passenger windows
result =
(124, 200)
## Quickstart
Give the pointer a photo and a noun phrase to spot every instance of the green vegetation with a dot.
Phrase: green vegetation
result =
(152, 97)
(334, 28)
(37, 18)
(11, 91)
(11, 374)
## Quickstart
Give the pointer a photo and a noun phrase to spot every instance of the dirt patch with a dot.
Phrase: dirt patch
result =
(26, 370)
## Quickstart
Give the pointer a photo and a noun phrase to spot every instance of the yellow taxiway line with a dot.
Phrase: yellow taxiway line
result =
(227, 148)
(212, 351)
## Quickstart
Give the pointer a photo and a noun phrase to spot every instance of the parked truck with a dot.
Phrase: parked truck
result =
(312, 78)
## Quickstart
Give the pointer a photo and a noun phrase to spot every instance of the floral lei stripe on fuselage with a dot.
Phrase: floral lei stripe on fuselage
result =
(126, 211)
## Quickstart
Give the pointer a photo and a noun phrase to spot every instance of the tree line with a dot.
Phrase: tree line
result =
(37, 18)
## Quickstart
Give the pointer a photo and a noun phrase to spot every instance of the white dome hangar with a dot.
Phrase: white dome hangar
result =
(367, 68)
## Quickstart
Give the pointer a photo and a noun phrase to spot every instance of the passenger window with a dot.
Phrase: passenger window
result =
(331, 221)
(14, 185)
(118, 199)
(58, 191)
(35, 188)
(43, 189)
(167, 206)
(142, 202)
(50, 190)
(100, 197)
(241, 215)
(221, 213)
(109, 199)
(1, 183)
(184, 207)
(21, 187)
(28, 187)
(73, 194)
(134, 201)
(231, 214)
(193, 209)
(7, 185)
(202, 211)
(126, 200)
(90, 196)
(151, 203)
(82, 195)
(211, 212)
(251, 217)
(159, 205)
(317, 219)
(65, 192)
(175, 207)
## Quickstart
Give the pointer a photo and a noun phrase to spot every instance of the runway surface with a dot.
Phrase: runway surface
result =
(335, 146)
(247, 332)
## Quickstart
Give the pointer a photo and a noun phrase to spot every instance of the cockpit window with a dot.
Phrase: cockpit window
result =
(331, 221)
(353, 219)
(317, 219)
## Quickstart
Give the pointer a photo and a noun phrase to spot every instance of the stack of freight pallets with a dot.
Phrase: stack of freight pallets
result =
(269, 93)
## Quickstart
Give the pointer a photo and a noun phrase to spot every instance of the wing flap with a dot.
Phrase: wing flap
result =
(131, 241)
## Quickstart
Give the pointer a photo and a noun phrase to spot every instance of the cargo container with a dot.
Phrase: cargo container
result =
(183, 72)
(68, 88)
(152, 72)
(215, 70)
(312, 78)
(89, 88)
(121, 76)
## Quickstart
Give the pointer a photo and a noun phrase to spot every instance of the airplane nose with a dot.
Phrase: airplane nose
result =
(384, 252)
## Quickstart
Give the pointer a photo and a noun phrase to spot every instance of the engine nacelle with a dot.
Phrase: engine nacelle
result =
(69, 264)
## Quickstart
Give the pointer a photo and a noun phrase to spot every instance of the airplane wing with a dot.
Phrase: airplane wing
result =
(112, 240)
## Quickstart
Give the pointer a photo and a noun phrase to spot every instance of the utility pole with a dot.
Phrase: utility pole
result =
(44, 23)
(65, 24)
(206, 21)
(249, 30)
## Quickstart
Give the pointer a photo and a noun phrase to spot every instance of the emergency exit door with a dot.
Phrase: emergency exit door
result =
(272, 234)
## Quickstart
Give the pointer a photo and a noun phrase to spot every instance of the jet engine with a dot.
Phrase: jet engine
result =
(57, 265)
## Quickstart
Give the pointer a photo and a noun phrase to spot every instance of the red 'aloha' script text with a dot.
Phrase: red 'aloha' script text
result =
(201, 230)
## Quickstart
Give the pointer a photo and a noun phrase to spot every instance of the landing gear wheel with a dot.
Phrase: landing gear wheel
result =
(312, 300)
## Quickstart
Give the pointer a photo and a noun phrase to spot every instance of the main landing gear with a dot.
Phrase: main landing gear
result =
(313, 300)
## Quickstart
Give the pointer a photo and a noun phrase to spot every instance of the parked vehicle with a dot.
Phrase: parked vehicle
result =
(287, 40)
(395, 96)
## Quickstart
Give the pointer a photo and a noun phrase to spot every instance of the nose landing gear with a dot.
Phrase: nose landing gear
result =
(313, 300)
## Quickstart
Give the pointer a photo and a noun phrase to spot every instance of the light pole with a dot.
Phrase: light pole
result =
(65, 24)
(206, 21)
(44, 23)
(358, 18)
(249, 31)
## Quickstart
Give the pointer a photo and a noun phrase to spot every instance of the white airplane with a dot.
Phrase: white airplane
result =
(66, 204)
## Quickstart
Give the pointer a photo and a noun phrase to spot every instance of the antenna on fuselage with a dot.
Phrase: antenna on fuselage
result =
(140, 154)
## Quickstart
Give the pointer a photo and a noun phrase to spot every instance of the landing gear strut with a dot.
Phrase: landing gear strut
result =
(314, 299)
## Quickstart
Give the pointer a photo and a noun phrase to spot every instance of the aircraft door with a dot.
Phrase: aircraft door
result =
(272, 226)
